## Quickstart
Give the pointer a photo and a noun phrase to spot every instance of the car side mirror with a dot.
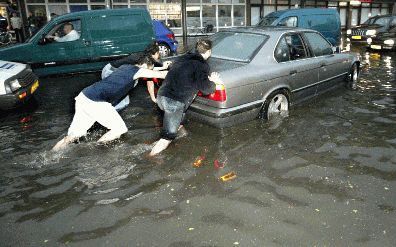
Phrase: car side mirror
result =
(336, 49)
(42, 40)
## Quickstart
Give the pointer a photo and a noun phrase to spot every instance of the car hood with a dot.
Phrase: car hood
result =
(366, 27)
(9, 69)
(16, 53)
(384, 36)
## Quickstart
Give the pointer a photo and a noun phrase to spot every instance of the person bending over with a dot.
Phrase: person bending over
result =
(151, 50)
(187, 76)
(96, 102)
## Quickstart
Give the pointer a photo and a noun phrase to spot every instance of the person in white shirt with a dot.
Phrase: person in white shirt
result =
(16, 24)
(70, 34)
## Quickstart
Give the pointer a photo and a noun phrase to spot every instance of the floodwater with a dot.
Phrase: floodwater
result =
(324, 176)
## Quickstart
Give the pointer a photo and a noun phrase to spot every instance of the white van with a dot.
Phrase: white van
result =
(17, 84)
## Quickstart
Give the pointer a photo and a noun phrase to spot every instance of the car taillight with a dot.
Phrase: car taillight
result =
(219, 95)
(170, 35)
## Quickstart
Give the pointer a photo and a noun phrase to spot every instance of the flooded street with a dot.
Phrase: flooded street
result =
(326, 175)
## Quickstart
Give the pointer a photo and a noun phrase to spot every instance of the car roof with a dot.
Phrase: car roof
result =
(101, 12)
(304, 11)
(267, 30)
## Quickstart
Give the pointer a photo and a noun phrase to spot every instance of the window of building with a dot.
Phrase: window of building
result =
(58, 9)
(239, 15)
(209, 15)
(224, 15)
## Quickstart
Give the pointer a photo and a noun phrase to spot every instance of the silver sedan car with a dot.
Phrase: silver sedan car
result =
(266, 70)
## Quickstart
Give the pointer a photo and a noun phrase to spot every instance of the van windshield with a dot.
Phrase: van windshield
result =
(267, 21)
(234, 46)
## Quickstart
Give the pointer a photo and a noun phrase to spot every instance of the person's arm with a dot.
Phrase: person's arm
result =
(205, 85)
(164, 66)
(150, 89)
(148, 73)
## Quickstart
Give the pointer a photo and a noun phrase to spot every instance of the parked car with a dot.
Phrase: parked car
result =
(165, 38)
(265, 70)
(372, 27)
(102, 36)
(325, 21)
(17, 84)
(384, 41)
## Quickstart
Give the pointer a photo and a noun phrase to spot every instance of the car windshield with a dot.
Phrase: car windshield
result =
(236, 46)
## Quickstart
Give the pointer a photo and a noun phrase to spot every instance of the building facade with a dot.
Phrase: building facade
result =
(210, 15)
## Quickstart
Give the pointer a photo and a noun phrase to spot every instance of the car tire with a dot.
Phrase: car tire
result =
(277, 103)
(164, 50)
(353, 77)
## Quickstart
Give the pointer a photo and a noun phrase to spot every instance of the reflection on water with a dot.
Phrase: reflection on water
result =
(325, 174)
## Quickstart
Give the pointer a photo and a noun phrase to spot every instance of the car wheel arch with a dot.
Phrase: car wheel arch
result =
(279, 90)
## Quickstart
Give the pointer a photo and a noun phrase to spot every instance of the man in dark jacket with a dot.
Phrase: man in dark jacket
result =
(187, 76)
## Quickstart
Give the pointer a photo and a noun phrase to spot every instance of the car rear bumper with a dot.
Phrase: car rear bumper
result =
(22, 95)
(222, 118)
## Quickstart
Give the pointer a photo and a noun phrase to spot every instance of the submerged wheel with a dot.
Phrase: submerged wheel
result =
(164, 50)
(277, 103)
(353, 77)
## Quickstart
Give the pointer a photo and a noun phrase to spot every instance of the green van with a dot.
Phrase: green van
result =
(97, 37)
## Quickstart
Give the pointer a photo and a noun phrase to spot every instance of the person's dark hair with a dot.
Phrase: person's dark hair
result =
(146, 59)
(203, 45)
(69, 24)
(151, 49)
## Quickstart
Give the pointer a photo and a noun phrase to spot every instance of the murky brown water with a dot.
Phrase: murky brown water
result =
(323, 176)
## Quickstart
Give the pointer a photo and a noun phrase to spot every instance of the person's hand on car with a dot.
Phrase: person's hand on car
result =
(215, 77)
(166, 64)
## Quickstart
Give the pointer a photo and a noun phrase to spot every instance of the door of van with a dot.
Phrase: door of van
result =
(327, 24)
(69, 53)
(119, 33)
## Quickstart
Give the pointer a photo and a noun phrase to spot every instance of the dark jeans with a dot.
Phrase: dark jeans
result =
(19, 35)
(173, 116)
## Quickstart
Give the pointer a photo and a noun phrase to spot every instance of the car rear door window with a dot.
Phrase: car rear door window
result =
(290, 47)
(319, 45)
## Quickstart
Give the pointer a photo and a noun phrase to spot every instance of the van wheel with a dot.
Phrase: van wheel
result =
(276, 104)
(353, 77)
(164, 50)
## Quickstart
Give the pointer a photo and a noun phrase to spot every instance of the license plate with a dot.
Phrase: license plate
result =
(377, 47)
(356, 37)
(34, 87)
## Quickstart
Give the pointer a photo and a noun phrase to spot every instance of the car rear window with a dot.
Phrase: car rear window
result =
(235, 46)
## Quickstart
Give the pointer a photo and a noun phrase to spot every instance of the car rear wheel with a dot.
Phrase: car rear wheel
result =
(164, 50)
(276, 104)
(353, 77)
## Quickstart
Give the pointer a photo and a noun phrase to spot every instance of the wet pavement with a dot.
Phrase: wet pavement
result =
(326, 175)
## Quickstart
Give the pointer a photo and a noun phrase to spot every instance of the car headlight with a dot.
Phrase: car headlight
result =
(349, 31)
(389, 42)
(14, 85)
(371, 32)
(369, 40)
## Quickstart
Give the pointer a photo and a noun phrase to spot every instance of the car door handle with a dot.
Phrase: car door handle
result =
(87, 42)
(293, 72)
(322, 65)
